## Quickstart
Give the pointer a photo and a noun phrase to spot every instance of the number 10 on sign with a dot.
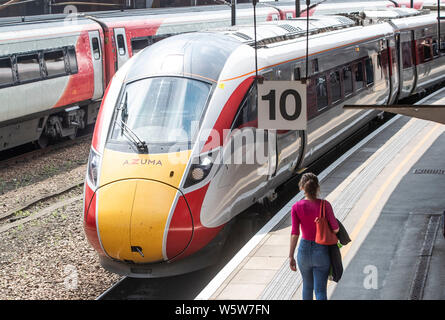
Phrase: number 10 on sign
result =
(282, 105)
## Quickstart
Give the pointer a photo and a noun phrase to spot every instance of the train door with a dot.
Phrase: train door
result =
(393, 68)
(407, 64)
(121, 46)
(97, 57)
(288, 142)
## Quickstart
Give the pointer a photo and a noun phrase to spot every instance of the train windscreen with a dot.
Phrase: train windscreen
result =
(161, 111)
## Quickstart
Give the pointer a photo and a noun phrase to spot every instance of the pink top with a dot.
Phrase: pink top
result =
(304, 212)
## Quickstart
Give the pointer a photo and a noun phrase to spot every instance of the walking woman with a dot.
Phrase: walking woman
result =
(313, 259)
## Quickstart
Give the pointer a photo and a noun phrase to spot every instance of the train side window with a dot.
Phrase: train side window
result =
(269, 75)
(55, 63)
(139, 44)
(161, 37)
(297, 75)
(6, 77)
(442, 44)
(427, 52)
(334, 80)
(96, 48)
(369, 71)
(322, 92)
(380, 66)
(121, 44)
(72, 60)
(407, 55)
(247, 115)
(315, 66)
(435, 48)
(28, 67)
(359, 77)
(347, 81)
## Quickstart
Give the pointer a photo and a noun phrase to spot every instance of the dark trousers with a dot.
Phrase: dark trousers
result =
(313, 263)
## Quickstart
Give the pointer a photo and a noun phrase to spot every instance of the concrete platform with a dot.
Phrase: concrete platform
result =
(389, 194)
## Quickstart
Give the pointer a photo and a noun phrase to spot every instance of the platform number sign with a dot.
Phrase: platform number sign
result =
(282, 105)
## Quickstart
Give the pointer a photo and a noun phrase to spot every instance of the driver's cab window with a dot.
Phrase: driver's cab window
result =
(247, 115)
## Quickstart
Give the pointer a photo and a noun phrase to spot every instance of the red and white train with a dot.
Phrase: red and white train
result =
(157, 202)
(54, 69)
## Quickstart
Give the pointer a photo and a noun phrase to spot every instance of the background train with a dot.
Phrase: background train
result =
(157, 203)
(54, 69)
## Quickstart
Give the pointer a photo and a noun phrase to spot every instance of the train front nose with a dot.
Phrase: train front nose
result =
(132, 219)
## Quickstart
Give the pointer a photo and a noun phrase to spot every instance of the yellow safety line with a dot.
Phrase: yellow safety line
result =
(382, 190)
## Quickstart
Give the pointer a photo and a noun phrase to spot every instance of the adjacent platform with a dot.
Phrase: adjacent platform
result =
(388, 192)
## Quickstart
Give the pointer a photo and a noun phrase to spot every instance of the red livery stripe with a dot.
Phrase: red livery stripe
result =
(180, 230)
(228, 112)
(201, 234)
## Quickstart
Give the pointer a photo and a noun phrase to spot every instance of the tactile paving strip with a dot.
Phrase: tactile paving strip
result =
(423, 263)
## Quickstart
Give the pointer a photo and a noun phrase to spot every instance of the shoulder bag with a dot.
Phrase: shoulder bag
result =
(324, 235)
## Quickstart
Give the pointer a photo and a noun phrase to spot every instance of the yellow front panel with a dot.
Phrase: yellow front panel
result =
(164, 167)
(114, 214)
(152, 203)
(134, 200)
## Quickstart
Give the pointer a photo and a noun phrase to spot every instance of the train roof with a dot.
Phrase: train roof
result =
(200, 55)
(282, 30)
(119, 14)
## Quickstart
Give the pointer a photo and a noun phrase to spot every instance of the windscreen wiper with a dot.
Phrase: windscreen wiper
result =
(140, 144)
(133, 137)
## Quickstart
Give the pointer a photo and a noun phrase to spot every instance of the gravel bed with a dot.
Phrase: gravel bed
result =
(50, 258)
(27, 173)
(12, 199)
(37, 207)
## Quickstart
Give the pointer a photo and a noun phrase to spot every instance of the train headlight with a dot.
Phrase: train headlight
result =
(93, 167)
(198, 174)
(199, 170)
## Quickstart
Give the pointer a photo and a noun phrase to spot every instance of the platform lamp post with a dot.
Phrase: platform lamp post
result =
(297, 8)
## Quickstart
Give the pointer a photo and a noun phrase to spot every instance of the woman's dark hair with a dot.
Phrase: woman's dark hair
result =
(309, 183)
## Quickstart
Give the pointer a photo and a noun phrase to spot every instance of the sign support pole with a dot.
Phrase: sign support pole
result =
(308, 3)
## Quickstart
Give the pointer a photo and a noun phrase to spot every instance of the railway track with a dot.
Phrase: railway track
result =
(33, 181)
(37, 200)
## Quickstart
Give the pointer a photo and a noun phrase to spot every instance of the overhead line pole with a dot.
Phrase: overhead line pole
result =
(308, 3)
(254, 2)
(438, 26)
(233, 5)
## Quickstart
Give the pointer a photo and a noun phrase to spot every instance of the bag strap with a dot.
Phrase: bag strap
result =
(321, 215)
(323, 209)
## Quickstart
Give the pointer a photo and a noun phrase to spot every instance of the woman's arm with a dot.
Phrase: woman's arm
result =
(294, 237)
(293, 245)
